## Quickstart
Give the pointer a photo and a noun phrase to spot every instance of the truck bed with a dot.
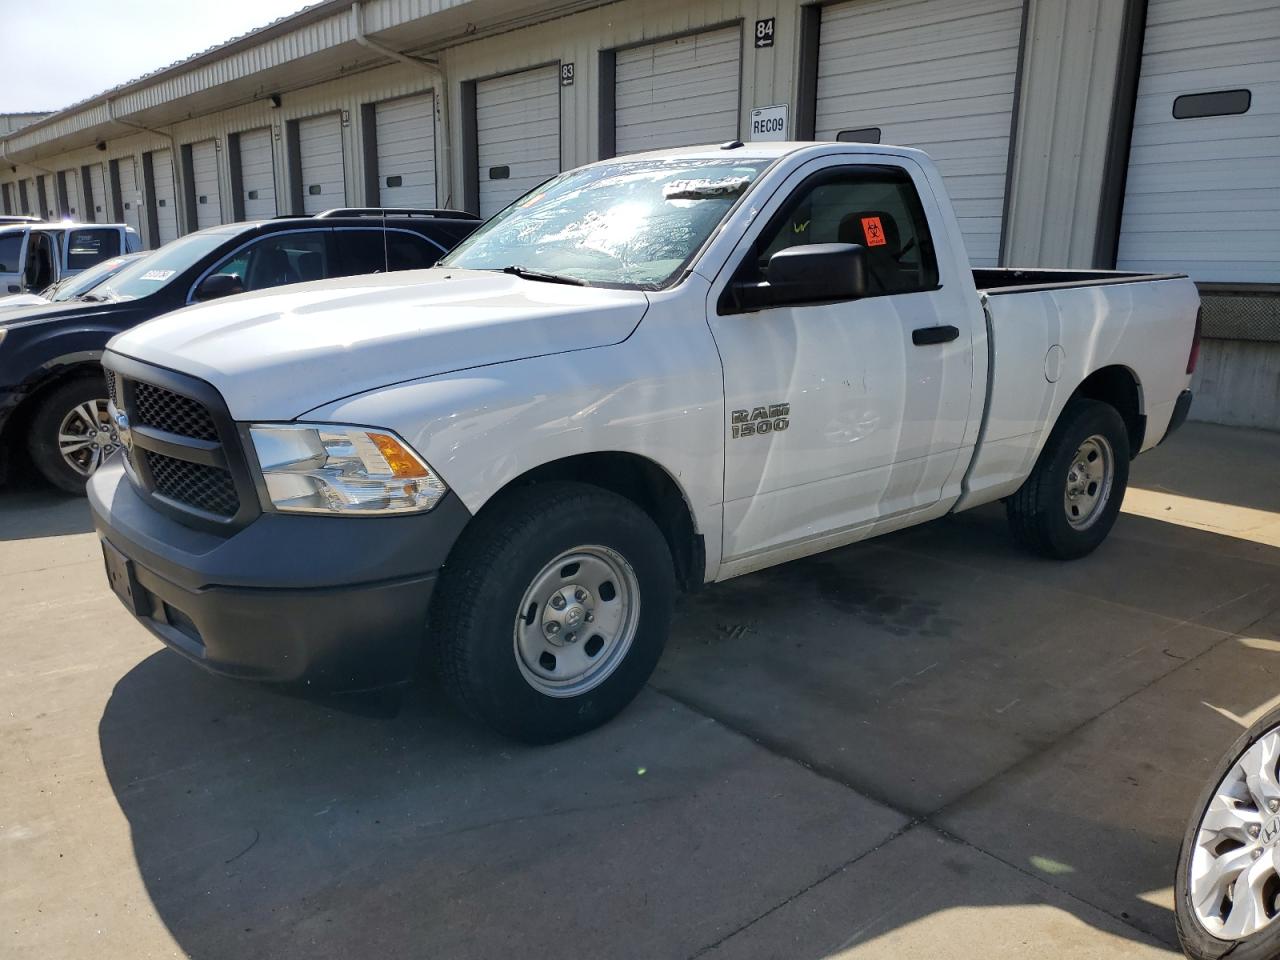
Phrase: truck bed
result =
(998, 280)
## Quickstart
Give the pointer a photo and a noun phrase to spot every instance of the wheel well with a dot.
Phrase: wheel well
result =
(1119, 387)
(645, 484)
(12, 446)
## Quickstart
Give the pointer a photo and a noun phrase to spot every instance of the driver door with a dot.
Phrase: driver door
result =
(836, 419)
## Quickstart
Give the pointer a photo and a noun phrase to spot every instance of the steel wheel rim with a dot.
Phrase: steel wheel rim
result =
(1090, 476)
(1234, 878)
(576, 621)
(87, 436)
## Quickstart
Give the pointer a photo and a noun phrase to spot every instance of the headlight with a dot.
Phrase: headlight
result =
(328, 468)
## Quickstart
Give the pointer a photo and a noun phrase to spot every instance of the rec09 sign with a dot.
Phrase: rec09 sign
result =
(769, 123)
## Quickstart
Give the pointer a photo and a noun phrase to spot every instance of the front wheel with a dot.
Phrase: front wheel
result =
(1227, 889)
(1070, 502)
(553, 610)
(72, 433)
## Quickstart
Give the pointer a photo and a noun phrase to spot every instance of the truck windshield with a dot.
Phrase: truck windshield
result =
(151, 273)
(632, 224)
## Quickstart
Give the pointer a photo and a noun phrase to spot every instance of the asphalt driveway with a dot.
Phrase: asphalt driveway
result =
(927, 745)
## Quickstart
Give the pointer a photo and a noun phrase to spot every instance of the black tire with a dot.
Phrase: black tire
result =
(42, 438)
(1196, 941)
(483, 585)
(1037, 515)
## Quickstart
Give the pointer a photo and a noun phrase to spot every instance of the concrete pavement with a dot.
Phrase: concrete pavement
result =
(925, 745)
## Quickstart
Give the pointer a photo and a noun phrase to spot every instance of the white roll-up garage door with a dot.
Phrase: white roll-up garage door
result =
(204, 181)
(678, 92)
(48, 190)
(165, 196)
(405, 134)
(74, 208)
(937, 76)
(130, 198)
(258, 174)
(323, 172)
(100, 207)
(1202, 194)
(517, 134)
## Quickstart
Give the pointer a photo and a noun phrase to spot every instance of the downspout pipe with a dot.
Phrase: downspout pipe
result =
(179, 188)
(439, 87)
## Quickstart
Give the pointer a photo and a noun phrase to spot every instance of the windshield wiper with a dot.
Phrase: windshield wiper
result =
(524, 273)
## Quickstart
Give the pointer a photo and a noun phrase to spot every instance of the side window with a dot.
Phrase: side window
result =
(87, 247)
(406, 251)
(360, 251)
(877, 207)
(10, 251)
(276, 260)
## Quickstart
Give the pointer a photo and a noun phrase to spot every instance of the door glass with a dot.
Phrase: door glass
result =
(87, 247)
(877, 207)
(10, 251)
(360, 251)
(408, 252)
(278, 260)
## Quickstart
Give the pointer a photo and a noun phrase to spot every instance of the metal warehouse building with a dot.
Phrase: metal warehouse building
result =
(1142, 134)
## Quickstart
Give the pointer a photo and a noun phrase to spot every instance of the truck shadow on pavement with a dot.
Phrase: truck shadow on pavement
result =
(33, 512)
(856, 746)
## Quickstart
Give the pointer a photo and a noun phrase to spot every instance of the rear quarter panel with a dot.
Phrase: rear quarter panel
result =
(1069, 333)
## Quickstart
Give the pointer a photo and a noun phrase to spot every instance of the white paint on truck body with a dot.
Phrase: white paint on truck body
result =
(489, 376)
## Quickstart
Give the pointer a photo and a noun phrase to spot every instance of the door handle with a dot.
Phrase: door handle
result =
(924, 336)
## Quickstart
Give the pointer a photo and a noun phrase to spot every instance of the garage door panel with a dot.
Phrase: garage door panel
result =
(101, 208)
(517, 127)
(204, 175)
(939, 77)
(1220, 175)
(258, 174)
(323, 168)
(166, 201)
(677, 92)
(405, 134)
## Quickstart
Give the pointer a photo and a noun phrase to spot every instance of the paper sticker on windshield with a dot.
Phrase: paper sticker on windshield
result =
(157, 275)
(873, 231)
(705, 189)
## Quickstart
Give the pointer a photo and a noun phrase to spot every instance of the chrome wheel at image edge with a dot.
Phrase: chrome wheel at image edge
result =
(87, 436)
(1233, 877)
(576, 621)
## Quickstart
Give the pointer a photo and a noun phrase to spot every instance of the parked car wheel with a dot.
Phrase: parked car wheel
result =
(1070, 502)
(1227, 890)
(553, 610)
(72, 433)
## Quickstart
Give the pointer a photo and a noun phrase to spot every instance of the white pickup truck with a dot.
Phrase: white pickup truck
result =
(648, 374)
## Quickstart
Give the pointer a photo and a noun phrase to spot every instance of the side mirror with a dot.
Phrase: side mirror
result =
(810, 273)
(218, 285)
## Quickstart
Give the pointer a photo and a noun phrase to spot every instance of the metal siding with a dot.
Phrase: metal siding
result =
(130, 197)
(101, 212)
(939, 77)
(320, 152)
(258, 174)
(204, 170)
(678, 92)
(517, 126)
(406, 149)
(1203, 195)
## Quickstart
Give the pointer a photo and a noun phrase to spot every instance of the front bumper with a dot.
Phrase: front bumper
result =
(336, 603)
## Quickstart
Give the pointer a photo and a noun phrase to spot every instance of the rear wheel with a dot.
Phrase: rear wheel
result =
(72, 433)
(553, 610)
(1070, 502)
(1227, 890)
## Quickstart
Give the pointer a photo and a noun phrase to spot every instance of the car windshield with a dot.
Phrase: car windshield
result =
(630, 223)
(144, 277)
(72, 287)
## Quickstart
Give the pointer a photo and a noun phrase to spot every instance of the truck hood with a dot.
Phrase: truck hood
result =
(276, 354)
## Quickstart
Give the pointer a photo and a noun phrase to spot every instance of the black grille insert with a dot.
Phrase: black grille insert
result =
(172, 412)
(210, 489)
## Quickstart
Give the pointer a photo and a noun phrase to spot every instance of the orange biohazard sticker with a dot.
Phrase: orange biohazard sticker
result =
(873, 231)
